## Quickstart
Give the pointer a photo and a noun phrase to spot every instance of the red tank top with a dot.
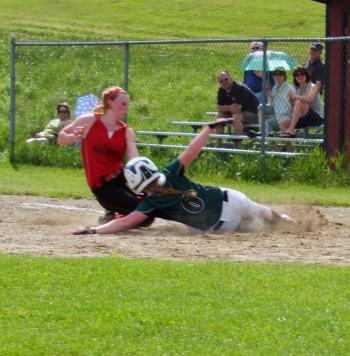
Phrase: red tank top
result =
(103, 156)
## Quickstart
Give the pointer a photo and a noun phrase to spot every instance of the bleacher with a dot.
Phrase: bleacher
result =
(304, 140)
(176, 140)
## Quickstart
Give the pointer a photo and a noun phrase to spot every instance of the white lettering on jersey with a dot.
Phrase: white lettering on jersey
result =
(193, 206)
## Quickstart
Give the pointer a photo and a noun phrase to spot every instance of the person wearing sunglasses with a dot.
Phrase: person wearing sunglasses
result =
(50, 133)
(171, 195)
(105, 140)
(307, 106)
(236, 101)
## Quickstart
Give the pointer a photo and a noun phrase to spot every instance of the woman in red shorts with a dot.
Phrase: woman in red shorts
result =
(105, 140)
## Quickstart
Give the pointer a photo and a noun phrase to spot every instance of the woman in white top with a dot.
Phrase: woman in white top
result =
(306, 102)
(50, 133)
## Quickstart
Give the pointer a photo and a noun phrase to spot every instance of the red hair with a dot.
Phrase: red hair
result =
(108, 94)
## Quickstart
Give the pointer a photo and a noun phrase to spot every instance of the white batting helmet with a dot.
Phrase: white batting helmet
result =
(139, 173)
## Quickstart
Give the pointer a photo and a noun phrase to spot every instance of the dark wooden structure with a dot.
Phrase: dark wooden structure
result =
(337, 95)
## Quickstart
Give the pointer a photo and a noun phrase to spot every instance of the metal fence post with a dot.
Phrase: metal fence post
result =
(12, 99)
(263, 111)
(126, 66)
(126, 70)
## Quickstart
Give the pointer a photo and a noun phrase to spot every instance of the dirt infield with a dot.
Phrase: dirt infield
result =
(42, 226)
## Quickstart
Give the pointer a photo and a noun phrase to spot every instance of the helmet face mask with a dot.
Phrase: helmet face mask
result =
(139, 173)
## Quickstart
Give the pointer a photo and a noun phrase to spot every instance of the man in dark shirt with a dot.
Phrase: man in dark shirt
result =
(315, 66)
(236, 101)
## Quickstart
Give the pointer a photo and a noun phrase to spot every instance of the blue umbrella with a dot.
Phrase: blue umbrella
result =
(274, 59)
(86, 104)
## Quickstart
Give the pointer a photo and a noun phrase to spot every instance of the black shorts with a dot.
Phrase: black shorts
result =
(310, 119)
(115, 195)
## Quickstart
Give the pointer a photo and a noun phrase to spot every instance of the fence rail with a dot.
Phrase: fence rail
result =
(168, 80)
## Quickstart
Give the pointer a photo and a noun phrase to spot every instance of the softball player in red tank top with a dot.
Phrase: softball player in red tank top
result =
(105, 141)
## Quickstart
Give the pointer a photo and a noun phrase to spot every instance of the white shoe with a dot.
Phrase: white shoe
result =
(30, 141)
(286, 217)
(37, 139)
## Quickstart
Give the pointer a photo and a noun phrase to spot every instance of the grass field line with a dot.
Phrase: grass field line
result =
(53, 206)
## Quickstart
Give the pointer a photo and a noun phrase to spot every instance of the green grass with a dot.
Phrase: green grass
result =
(183, 74)
(113, 306)
(68, 182)
(141, 19)
(44, 181)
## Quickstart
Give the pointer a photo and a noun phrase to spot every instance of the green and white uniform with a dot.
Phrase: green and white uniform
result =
(201, 212)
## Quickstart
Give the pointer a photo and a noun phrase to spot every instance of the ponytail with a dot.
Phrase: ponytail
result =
(163, 190)
(99, 109)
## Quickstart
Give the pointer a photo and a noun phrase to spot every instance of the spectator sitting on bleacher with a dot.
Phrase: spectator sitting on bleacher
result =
(50, 133)
(315, 66)
(307, 106)
(253, 79)
(236, 101)
(278, 107)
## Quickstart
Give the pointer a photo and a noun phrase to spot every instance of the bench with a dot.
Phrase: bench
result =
(196, 125)
(224, 150)
(310, 132)
(306, 132)
(161, 136)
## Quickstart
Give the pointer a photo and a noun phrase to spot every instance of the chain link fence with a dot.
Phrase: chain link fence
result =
(167, 80)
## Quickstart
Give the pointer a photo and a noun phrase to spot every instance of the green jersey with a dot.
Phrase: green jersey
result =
(200, 212)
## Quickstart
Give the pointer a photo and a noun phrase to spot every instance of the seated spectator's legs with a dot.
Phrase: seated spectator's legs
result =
(284, 124)
(311, 118)
(270, 118)
(299, 109)
(238, 123)
(271, 125)
(250, 118)
(240, 119)
(221, 129)
(37, 139)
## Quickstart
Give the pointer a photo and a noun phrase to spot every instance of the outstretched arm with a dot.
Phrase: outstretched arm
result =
(75, 131)
(195, 147)
(126, 223)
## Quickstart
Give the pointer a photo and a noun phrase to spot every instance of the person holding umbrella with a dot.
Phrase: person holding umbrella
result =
(256, 60)
(253, 79)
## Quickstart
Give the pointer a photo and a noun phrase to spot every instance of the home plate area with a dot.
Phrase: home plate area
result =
(43, 227)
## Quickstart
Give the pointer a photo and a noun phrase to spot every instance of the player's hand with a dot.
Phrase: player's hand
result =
(291, 95)
(84, 230)
(219, 122)
(78, 133)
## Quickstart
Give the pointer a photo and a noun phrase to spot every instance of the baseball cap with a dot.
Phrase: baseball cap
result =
(279, 70)
(316, 46)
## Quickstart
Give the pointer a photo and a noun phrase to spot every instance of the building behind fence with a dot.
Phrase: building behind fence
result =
(167, 80)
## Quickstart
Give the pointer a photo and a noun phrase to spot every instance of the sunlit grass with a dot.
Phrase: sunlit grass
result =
(115, 306)
(141, 19)
(165, 82)
(69, 182)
